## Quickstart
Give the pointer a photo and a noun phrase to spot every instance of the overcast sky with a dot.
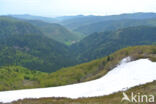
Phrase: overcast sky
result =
(75, 7)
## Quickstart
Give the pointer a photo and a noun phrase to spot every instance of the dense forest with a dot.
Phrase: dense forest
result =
(57, 32)
(23, 44)
(101, 44)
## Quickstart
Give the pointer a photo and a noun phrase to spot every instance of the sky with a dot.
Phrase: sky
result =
(53, 8)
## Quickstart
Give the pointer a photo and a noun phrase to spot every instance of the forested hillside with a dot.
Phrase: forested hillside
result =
(57, 32)
(114, 25)
(23, 44)
(80, 21)
(101, 44)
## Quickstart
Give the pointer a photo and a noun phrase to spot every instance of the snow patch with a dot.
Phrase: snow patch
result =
(124, 76)
(125, 60)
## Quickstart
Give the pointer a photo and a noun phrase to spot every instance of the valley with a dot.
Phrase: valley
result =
(40, 44)
(63, 52)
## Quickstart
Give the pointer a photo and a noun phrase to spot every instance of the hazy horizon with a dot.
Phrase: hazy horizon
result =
(71, 15)
(56, 8)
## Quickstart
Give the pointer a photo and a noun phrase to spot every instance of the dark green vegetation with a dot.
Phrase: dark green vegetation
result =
(101, 44)
(147, 89)
(25, 45)
(57, 32)
(16, 77)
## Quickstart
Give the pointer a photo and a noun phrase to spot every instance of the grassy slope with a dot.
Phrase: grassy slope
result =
(70, 75)
(16, 77)
(147, 89)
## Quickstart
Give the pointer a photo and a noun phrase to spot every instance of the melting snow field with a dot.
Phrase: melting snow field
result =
(125, 75)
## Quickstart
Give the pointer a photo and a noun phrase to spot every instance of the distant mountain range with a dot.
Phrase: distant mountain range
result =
(31, 17)
(90, 24)
(114, 25)
(79, 21)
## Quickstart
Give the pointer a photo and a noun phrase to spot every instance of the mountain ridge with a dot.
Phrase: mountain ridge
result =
(112, 25)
